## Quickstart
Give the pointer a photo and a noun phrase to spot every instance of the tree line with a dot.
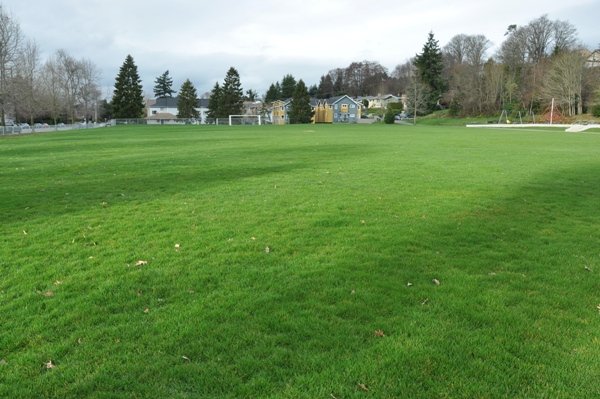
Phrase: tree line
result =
(62, 88)
(535, 63)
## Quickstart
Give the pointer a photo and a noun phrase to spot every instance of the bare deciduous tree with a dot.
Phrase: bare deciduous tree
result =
(26, 82)
(52, 89)
(564, 81)
(10, 47)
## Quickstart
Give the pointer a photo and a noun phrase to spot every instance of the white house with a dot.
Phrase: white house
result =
(166, 108)
(380, 101)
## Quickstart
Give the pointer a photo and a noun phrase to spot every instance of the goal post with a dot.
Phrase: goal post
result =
(245, 120)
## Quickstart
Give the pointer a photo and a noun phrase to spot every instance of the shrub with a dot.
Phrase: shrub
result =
(596, 110)
(389, 117)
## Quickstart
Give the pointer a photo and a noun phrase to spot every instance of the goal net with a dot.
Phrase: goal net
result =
(244, 120)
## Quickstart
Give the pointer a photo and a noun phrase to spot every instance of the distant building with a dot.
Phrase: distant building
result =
(279, 112)
(593, 59)
(380, 101)
(341, 109)
(168, 106)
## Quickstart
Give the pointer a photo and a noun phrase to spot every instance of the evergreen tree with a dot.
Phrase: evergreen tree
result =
(187, 101)
(251, 95)
(274, 93)
(128, 101)
(430, 64)
(214, 100)
(325, 87)
(288, 84)
(338, 86)
(163, 87)
(232, 96)
(300, 109)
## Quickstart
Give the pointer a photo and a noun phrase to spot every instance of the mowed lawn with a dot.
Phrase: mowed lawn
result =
(300, 262)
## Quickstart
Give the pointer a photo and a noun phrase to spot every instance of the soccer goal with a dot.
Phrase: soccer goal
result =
(244, 120)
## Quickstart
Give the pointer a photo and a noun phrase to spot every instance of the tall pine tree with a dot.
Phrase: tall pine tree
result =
(163, 87)
(128, 101)
(213, 102)
(274, 93)
(288, 84)
(300, 108)
(232, 95)
(430, 64)
(187, 101)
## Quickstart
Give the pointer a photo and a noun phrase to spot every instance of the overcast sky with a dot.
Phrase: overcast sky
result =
(266, 39)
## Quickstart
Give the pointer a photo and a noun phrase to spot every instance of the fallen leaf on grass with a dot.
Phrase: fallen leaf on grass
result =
(48, 293)
(436, 281)
(267, 249)
(57, 282)
(176, 245)
(3, 361)
(425, 301)
(139, 292)
(379, 333)
(363, 387)
(24, 232)
(332, 396)
(409, 284)
(185, 358)
(588, 269)
(79, 341)
(352, 292)
(50, 365)
(141, 262)
(146, 310)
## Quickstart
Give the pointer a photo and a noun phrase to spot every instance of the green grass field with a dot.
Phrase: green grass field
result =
(299, 262)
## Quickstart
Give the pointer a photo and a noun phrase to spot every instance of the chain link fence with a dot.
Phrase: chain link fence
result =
(26, 129)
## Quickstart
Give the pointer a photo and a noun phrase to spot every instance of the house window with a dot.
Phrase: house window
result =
(352, 106)
(335, 106)
(153, 112)
(344, 107)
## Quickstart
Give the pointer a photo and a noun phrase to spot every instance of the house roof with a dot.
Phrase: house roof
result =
(337, 99)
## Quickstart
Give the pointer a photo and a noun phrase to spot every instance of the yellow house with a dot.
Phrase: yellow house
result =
(323, 111)
(279, 112)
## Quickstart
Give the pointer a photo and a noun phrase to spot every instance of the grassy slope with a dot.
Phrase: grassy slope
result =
(506, 221)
